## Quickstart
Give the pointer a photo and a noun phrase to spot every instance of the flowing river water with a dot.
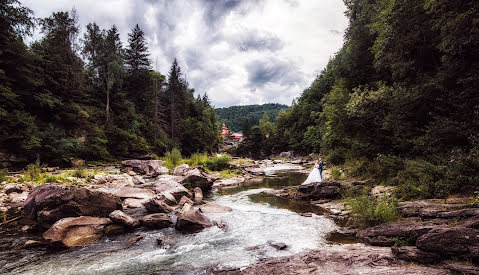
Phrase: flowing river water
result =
(256, 220)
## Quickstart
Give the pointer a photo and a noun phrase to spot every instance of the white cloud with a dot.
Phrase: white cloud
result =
(239, 52)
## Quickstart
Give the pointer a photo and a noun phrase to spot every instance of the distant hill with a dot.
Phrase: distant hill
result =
(235, 116)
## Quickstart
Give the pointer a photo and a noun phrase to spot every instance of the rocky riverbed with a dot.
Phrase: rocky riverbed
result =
(260, 221)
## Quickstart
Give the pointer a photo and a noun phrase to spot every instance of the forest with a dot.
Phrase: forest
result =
(235, 116)
(90, 97)
(398, 102)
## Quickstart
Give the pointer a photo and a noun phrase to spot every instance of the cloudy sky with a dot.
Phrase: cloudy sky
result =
(238, 51)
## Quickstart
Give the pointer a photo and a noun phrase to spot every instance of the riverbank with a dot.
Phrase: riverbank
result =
(255, 247)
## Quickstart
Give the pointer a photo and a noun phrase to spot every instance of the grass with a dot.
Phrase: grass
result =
(369, 211)
(228, 173)
(173, 158)
(218, 163)
(197, 159)
(34, 174)
(336, 174)
(3, 174)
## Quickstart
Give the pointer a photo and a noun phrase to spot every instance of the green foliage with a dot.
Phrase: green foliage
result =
(235, 116)
(33, 173)
(3, 174)
(336, 173)
(197, 159)
(368, 211)
(399, 241)
(218, 163)
(173, 158)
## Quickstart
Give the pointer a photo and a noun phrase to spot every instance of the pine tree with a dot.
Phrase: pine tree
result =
(137, 51)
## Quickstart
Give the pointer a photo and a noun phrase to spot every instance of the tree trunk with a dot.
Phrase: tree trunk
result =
(107, 105)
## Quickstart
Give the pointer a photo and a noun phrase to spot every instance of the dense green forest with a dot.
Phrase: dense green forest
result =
(399, 101)
(236, 116)
(91, 97)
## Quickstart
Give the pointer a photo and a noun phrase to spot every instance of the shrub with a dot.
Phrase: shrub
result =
(3, 174)
(368, 211)
(357, 168)
(197, 159)
(33, 173)
(218, 163)
(336, 173)
(173, 158)
(421, 179)
(80, 173)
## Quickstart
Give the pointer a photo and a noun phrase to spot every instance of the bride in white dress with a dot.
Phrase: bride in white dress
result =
(315, 175)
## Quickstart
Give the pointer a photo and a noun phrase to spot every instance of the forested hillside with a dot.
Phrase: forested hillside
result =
(399, 101)
(91, 97)
(235, 116)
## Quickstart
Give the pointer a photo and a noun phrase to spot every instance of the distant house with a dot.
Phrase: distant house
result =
(236, 137)
(224, 131)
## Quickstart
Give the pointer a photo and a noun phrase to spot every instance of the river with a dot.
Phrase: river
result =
(256, 220)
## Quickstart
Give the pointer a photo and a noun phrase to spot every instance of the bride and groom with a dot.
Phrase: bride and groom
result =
(317, 174)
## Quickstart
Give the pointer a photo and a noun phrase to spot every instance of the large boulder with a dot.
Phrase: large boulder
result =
(174, 188)
(158, 205)
(157, 221)
(287, 155)
(151, 168)
(214, 208)
(113, 180)
(387, 234)
(198, 195)
(76, 231)
(129, 192)
(455, 241)
(234, 181)
(49, 203)
(317, 191)
(413, 254)
(197, 177)
(180, 170)
(120, 217)
(191, 220)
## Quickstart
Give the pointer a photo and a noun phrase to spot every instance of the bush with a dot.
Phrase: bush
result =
(173, 158)
(336, 173)
(197, 159)
(33, 173)
(80, 173)
(3, 174)
(368, 211)
(421, 179)
(357, 168)
(218, 163)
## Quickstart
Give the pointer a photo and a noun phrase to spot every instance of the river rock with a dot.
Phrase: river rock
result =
(166, 241)
(133, 240)
(191, 220)
(472, 222)
(14, 188)
(287, 155)
(113, 180)
(180, 170)
(157, 221)
(49, 203)
(129, 192)
(234, 181)
(462, 213)
(185, 200)
(120, 217)
(77, 231)
(114, 229)
(381, 235)
(278, 245)
(137, 180)
(198, 195)
(169, 198)
(380, 191)
(158, 205)
(133, 203)
(32, 244)
(214, 208)
(451, 241)
(317, 191)
(197, 177)
(149, 167)
(413, 254)
(174, 188)
(428, 208)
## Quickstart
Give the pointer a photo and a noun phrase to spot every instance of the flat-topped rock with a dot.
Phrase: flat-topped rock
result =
(318, 190)
(148, 167)
(120, 217)
(157, 221)
(129, 192)
(214, 208)
(191, 220)
(174, 188)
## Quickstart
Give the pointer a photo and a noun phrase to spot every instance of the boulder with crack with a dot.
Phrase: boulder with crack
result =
(76, 231)
(191, 220)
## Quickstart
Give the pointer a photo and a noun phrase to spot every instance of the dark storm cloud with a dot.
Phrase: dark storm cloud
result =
(216, 10)
(255, 40)
(261, 72)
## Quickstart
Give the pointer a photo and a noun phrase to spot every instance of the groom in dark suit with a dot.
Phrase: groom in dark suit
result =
(321, 167)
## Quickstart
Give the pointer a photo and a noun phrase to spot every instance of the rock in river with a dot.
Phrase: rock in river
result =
(174, 188)
(317, 191)
(158, 205)
(214, 208)
(197, 177)
(157, 221)
(77, 231)
(191, 220)
(49, 203)
(119, 217)
(149, 167)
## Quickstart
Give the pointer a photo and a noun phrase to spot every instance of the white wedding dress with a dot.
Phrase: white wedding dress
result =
(314, 176)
